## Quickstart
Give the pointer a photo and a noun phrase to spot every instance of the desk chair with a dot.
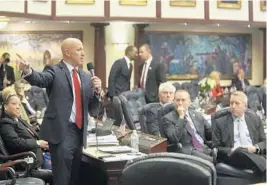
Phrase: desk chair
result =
(43, 174)
(169, 168)
(131, 103)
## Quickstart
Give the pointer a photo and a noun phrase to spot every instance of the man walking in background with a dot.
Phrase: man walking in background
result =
(120, 74)
(151, 73)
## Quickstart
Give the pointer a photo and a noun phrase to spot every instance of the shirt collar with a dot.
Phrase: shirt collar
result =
(148, 61)
(128, 61)
(70, 67)
(242, 118)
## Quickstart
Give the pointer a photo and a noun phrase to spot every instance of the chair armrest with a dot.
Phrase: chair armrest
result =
(12, 173)
(16, 162)
(18, 156)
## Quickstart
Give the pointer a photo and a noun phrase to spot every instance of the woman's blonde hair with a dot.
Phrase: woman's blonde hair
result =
(8, 91)
(214, 74)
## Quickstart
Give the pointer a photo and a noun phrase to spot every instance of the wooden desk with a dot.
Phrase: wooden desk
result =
(111, 170)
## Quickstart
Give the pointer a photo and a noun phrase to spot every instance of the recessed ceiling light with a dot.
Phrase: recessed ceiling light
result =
(218, 24)
(185, 24)
(248, 25)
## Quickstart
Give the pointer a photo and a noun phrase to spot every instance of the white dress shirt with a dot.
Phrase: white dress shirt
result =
(145, 70)
(241, 133)
(73, 110)
(128, 61)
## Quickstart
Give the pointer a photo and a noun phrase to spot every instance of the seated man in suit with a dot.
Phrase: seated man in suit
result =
(166, 95)
(18, 135)
(239, 136)
(187, 127)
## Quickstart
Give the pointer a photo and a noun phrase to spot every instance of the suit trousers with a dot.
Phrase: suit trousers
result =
(241, 158)
(66, 157)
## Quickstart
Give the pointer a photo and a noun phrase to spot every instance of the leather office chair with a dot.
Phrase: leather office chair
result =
(149, 115)
(169, 168)
(7, 170)
(228, 174)
(43, 174)
(177, 85)
(118, 113)
(131, 103)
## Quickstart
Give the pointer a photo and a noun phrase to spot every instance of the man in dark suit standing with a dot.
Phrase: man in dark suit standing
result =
(151, 74)
(188, 127)
(7, 76)
(239, 136)
(72, 93)
(120, 73)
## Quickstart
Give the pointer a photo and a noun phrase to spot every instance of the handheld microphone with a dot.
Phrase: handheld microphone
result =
(90, 68)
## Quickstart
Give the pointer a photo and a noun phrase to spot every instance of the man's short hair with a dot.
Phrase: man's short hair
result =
(129, 49)
(166, 85)
(147, 46)
(5, 54)
(183, 91)
(242, 95)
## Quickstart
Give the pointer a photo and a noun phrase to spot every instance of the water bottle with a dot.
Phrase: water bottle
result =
(135, 141)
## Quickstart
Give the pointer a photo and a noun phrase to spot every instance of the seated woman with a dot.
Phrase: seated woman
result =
(240, 83)
(18, 135)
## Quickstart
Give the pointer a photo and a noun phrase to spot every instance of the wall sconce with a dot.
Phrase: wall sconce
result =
(120, 46)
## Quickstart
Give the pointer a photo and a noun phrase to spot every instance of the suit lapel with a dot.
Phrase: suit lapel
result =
(230, 125)
(67, 73)
(193, 118)
(249, 126)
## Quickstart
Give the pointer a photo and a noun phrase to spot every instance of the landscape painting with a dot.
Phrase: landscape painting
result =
(186, 54)
(38, 48)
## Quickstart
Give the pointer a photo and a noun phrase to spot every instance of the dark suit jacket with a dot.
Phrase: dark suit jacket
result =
(238, 84)
(119, 78)
(155, 76)
(18, 136)
(9, 74)
(176, 132)
(58, 82)
(223, 133)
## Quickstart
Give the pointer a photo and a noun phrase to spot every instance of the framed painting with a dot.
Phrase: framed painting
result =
(232, 4)
(133, 2)
(80, 1)
(263, 5)
(39, 48)
(189, 3)
(187, 55)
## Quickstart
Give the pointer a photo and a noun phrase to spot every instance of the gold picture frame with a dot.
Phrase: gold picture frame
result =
(189, 3)
(80, 1)
(263, 5)
(231, 4)
(133, 2)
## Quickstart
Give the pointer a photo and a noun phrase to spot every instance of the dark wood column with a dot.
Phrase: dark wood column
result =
(139, 31)
(99, 51)
(264, 52)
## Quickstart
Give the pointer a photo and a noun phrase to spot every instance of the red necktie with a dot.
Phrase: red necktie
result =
(143, 77)
(78, 99)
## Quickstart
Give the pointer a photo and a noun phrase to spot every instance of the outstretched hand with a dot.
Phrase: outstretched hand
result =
(23, 64)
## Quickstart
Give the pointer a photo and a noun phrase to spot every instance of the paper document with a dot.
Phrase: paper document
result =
(102, 140)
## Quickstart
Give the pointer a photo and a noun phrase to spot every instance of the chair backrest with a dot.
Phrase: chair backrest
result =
(162, 112)
(149, 115)
(3, 150)
(177, 85)
(118, 113)
(169, 168)
(131, 103)
(253, 97)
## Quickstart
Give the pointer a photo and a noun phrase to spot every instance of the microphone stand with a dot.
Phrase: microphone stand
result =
(96, 125)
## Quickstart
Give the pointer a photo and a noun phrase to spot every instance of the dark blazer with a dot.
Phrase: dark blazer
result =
(176, 132)
(18, 136)
(223, 133)
(155, 76)
(58, 83)
(119, 78)
(9, 75)
(238, 84)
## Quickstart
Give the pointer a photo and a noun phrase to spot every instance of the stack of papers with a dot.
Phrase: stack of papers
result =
(102, 140)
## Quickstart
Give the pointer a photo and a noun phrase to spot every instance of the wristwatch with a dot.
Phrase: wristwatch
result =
(257, 149)
(38, 143)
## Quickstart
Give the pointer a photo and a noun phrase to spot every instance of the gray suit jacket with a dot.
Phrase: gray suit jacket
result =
(223, 133)
(176, 132)
(57, 80)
